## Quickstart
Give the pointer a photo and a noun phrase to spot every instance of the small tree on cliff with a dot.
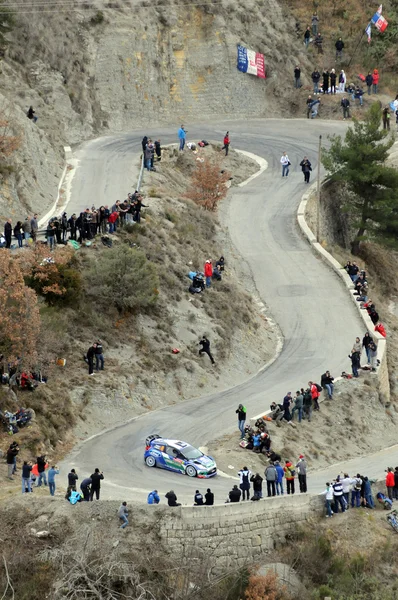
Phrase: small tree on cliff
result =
(360, 162)
(208, 184)
(19, 314)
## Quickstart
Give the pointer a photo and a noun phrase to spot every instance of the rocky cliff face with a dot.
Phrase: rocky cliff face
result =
(113, 67)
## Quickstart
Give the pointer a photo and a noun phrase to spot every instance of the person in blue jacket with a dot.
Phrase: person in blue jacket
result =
(182, 134)
(279, 481)
(153, 497)
(51, 479)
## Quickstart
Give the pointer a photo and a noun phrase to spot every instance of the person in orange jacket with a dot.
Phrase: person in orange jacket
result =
(226, 143)
(375, 81)
(390, 482)
(208, 270)
(289, 476)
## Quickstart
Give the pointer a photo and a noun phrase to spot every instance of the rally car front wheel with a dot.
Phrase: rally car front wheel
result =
(191, 471)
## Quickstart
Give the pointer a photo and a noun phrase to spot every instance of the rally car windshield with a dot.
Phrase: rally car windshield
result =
(190, 453)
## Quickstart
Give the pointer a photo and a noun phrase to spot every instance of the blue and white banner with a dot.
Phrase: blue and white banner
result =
(251, 62)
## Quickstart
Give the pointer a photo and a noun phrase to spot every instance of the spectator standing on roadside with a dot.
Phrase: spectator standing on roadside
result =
(314, 23)
(123, 513)
(315, 76)
(314, 394)
(339, 45)
(307, 37)
(241, 412)
(328, 493)
(90, 359)
(386, 118)
(327, 384)
(41, 468)
(356, 491)
(319, 43)
(182, 134)
(373, 355)
(298, 406)
(390, 483)
(367, 492)
(287, 400)
(244, 475)
(257, 482)
(396, 483)
(96, 478)
(302, 473)
(99, 356)
(285, 162)
(345, 104)
(208, 272)
(346, 482)
(26, 481)
(307, 403)
(366, 340)
(338, 495)
(306, 169)
(271, 477)
(332, 81)
(297, 80)
(18, 233)
(144, 143)
(375, 81)
(325, 81)
(158, 150)
(289, 476)
(279, 482)
(51, 235)
(72, 478)
(8, 232)
(369, 82)
(34, 227)
(205, 343)
(11, 456)
(342, 81)
(226, 143)
(52, 472)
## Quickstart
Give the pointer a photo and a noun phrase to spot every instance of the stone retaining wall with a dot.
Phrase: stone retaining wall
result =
(235, 534)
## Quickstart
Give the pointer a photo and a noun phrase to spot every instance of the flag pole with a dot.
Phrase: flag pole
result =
(356, 47)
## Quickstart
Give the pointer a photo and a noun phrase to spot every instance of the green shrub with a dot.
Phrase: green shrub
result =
(124, 278)
(98, 18)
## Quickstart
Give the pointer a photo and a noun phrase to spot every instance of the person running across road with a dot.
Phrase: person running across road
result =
(96, 478)
(306, 169)
(244, 475)
(226, 143)
(123, 513)
(241, 412)
(302, 473)
(285, 162)
(289, 476)
(205, 343)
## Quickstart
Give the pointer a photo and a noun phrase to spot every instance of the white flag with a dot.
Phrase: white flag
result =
(379, 10)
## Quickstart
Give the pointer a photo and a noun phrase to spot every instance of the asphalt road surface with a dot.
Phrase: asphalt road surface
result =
(308, 301)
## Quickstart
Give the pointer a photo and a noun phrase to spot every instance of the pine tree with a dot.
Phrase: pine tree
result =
(372, 187)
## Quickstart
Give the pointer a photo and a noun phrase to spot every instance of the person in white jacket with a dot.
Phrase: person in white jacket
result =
(342, 81)
(285, 162)
(328, 493)
(347, 482)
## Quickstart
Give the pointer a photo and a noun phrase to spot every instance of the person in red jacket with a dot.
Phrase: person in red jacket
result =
(208, 270)
(375, 81)
(226, 143)
(314, 394)
(390, 482)
(113, 217)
